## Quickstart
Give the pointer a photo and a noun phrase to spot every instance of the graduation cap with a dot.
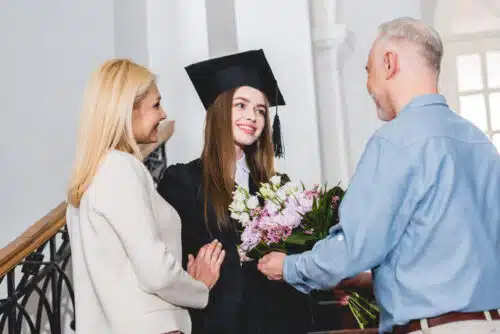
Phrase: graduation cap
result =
(215, 76)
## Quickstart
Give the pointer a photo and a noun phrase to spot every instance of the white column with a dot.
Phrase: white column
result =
(327, 37)
(177, 37)
(282, 29)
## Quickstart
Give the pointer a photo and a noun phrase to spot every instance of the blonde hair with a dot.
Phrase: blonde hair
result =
(114, 90)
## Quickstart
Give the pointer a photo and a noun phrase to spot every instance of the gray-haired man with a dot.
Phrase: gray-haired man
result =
(423, 208)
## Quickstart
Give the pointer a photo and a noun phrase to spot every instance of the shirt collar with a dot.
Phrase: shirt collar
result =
(424, 100)
(242, 164)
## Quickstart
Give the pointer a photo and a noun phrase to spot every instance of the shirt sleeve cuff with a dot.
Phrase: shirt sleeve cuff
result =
(290, 274)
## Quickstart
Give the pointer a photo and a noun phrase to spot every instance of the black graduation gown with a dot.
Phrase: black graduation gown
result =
(243, 300)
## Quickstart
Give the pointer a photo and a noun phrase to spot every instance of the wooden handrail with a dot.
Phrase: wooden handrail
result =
(32, 238)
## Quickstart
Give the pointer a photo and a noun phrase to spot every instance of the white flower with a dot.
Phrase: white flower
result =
(264, 189)
(240, 206)
(244, 218)
(252, 202)
(290, 188)
(239, 196)
(281, 194)
(272, 208)
(267, 192)
(276, 180)
(234, 215)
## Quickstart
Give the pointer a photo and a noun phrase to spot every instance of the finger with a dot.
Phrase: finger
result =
(216, 253)
(339, 294)
(201, 252)
(344, 301)
(220, 259)
(210, 251)
(191, 266)
(190, 260)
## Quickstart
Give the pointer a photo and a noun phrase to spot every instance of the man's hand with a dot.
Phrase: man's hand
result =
(271, 265)
(362, 280)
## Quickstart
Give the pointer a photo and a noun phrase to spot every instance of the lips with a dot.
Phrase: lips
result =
(247, 128)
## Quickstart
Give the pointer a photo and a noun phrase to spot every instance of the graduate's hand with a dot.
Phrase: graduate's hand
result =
(243, 256)
(165, 130)
(271, 265)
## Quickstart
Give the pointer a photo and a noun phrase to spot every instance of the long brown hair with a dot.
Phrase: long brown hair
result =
(219, 157)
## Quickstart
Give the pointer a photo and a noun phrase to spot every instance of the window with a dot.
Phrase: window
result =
(478, 81)
(471, 75)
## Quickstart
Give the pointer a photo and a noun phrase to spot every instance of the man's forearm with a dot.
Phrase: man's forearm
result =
(321, 268)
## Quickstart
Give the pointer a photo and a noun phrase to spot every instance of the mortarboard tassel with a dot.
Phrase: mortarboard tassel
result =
(279, 150)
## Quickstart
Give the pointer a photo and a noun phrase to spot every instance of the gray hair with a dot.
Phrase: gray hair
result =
(407, 28)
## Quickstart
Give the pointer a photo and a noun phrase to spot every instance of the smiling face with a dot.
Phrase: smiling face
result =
(249, 112)
(147, 116)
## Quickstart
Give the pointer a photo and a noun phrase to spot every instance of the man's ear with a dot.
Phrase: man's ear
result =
(391, 64)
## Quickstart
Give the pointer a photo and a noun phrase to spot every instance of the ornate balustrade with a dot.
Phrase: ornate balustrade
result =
(34, 268)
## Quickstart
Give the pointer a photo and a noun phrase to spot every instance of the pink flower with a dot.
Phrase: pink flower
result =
(255, 212)
(276, 233)
(251, 236)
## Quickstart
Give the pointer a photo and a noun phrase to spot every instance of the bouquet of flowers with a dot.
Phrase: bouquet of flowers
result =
(291, 219)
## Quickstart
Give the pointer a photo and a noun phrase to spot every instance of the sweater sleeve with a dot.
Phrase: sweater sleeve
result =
(122, 197)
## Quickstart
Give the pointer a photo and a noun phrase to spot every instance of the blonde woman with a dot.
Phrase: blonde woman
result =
(125, 239)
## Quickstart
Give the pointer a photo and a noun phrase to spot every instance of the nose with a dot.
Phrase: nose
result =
(249, 113)
(163, 114)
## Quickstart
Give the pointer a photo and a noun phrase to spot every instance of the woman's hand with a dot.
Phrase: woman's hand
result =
(206, 266)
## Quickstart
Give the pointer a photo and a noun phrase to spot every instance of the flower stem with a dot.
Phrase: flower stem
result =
(361, 306)
(356, 314)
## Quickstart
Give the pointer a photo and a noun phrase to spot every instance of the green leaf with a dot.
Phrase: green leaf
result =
(299, 239)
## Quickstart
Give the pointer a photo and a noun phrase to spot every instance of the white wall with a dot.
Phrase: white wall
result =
(49, 49)
(131, 30)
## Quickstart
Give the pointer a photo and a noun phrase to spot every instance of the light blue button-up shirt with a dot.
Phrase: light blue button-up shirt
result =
(423, 212)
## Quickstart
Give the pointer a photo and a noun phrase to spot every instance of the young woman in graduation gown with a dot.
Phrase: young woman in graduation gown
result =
(237, 92)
